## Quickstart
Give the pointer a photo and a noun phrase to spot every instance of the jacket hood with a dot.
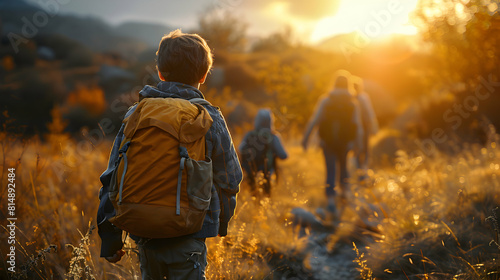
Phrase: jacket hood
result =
(264, 119)
(171, 89)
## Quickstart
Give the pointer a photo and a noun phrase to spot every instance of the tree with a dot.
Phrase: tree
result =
(464, 36)
(223, 31)
(276, 42)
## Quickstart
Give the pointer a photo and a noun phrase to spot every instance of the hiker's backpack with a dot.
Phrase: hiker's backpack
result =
(337, 126)
(161, 186)
(258, 152)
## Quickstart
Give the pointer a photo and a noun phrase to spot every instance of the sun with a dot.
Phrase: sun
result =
(374, 18)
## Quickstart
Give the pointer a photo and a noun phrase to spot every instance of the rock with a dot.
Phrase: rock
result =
(307, 220)
(46, 53)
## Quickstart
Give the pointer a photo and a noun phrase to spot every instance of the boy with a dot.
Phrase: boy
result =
(183, 62)
(259, 150)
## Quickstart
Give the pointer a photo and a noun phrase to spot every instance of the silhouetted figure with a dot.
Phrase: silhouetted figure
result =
(259, 150)
(369, 122)
(339, 120)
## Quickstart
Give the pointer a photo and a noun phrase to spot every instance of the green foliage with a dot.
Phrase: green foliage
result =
(465, 36)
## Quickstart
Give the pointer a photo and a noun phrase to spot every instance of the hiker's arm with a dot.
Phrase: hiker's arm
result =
(111, 236)
(227, 174)
(242, 148)
(111, 239)
(359, 125)
(278, 148)
(370, 113)
(318, 111)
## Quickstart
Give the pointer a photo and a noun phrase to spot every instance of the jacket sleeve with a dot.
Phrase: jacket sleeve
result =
(318, 112)
(110, 235)
(227, 174)
(243, 147)
(278, 148)
(371, 118)
(359, 126)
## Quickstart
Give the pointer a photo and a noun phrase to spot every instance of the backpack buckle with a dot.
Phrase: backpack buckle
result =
(183, 152)
(124, 148)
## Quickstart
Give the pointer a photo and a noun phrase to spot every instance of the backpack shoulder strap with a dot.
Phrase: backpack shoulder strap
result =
(200, 101)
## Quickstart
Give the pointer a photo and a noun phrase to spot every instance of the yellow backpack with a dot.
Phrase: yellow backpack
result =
(161, 186)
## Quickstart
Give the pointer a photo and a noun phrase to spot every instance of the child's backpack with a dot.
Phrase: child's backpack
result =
(161, 186)
(258, 152)
(337, 125)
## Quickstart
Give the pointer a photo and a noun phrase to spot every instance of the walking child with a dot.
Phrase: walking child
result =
(260, 150)
(173, 172)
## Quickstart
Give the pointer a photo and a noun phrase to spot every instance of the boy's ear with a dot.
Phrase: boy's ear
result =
(161, 76)
(202, 80)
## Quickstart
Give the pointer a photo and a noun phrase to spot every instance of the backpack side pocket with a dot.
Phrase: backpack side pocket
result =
(199, 183)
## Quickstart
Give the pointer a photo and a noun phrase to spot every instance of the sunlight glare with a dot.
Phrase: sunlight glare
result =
(374, 18)
(278, 8)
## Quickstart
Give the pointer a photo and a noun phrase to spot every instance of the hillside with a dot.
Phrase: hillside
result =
(127, 39)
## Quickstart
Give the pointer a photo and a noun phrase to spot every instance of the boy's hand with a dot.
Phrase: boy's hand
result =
(116, 257)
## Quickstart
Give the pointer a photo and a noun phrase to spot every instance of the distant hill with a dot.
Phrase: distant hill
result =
(352, 42)
(338, 43)
(15, 5)
(129, 38)
(149, 33)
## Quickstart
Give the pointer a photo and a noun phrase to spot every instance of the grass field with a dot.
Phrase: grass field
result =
(422, 218)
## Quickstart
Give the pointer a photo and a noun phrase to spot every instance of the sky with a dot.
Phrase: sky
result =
(312, 20)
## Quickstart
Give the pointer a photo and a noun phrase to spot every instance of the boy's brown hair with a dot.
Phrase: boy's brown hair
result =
(183, 58)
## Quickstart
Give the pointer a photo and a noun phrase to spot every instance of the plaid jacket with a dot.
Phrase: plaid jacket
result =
(227, 173)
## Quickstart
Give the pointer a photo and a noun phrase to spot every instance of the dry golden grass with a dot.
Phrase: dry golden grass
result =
(422, 219)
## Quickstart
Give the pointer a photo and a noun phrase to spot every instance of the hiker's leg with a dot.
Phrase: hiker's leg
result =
(330, 161)
(363, 161)
(151, 267)
(359, 160)
(267, 183)
(249, 174)
(251, 182)
(344, 173)
(331, 166)
(363, 154)
(190, 261)
(268, 176)
(178, 259)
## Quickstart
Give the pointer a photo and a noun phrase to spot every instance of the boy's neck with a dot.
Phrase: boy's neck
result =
(197, 85)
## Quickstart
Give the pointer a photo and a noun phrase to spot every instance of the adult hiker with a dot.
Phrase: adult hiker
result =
(337, 116)
(369, 122)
